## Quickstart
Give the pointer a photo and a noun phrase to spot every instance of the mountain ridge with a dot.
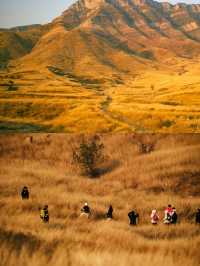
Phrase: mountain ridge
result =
(101, 32)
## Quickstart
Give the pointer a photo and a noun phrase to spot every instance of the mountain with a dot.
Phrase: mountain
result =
(104, 65)
(17, 42)
(108, 35)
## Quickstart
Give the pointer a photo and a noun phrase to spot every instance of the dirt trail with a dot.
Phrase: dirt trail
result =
(116, 117)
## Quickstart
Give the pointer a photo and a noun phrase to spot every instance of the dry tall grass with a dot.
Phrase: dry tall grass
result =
(146, 101)
(130, 179)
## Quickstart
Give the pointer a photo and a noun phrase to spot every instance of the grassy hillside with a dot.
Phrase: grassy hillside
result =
(130, 179)
(104, 66)
(157, 99)
(19, 41)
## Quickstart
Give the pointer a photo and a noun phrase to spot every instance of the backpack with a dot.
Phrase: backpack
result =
(174, 217)
(169, 217)
(42, 214)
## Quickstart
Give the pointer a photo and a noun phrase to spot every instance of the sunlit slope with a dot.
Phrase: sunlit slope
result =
(130, 180)
(114, 37)
(150, 101)
(106, 66)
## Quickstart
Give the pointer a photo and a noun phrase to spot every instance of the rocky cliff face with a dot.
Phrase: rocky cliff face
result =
(114, 35)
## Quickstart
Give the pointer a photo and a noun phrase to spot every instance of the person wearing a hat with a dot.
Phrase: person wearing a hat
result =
(85, 211)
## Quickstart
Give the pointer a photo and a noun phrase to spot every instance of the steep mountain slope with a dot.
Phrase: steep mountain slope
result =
(94, 36)
(102, 66)
(18, 41)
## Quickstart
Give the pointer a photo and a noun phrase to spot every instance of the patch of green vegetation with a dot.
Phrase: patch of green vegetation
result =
(58, 129)
(26, 43)
(30, 110)
(22, 127)
(56, 71)
(12, 86)
(167, 123)
(84, 81)
(4, 57)
(147, 54)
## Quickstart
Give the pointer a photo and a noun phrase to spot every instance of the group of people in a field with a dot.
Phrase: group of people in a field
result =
(44, 212)
(170, 214)
(86, 211)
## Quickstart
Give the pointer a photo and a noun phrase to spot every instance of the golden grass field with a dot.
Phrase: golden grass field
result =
(129, 180)
(165, 99)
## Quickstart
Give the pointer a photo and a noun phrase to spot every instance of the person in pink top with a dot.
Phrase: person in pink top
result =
(154, 217)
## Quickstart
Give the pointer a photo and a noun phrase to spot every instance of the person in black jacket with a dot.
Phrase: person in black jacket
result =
(133, 216)
(174, 216)
(25, 193)
(86, 211)
(198, 216)
(109, 214)
(86, 208)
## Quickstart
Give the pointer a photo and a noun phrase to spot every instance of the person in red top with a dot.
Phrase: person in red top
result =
(168, 215)
(169, 209)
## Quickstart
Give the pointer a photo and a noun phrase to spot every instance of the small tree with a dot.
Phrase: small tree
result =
(146, 144)
(88, 155)
(146, 147)
(11, 86)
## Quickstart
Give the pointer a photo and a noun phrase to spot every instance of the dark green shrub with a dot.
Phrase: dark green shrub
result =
(88, 155)
(12, 86)
(167, 123)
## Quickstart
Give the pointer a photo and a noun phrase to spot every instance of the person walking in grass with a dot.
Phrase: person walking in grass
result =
(154, 217)
(174, 216)
(109, 214)
(133, 217)
(168, 215)
(169, 209)
(44, 214)
(197, 218)
(86, 211)
(25, 193)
